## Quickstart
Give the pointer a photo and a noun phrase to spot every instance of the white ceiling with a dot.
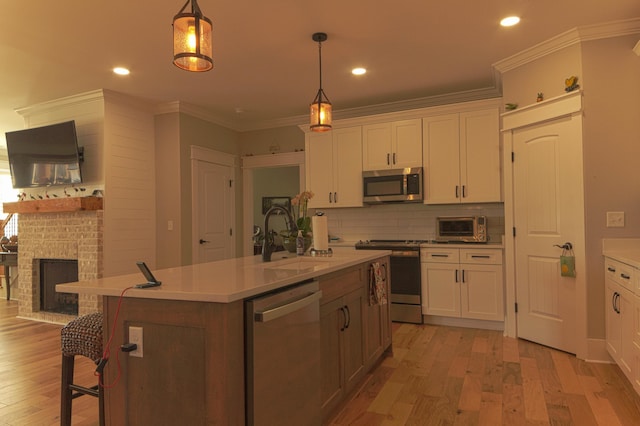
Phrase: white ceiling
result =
(265, 62)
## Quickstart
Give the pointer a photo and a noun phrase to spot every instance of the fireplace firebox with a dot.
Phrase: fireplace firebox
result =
(58, 271)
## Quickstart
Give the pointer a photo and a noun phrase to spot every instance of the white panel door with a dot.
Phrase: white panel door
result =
(482, 292)
(319, 168)
(347, 167)
(441, 289)
(441, 152)
(376, 146)
(549, 211)
(406, 143)
(480, 168)
(214, 212)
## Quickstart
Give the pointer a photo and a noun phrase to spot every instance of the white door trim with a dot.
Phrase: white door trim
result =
(564, 105)
(259, 161)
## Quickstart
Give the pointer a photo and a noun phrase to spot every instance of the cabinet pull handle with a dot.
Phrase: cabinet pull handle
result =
(330, 197)
(344, 315)
(456, 275)
(335, 197)
(480, 256)
(394, 158)
(616, 297)
(348, 316)
(610, 269)
(457, 196)
(463, 281)
(464, 191)
(439, 255)
(626, 277)
(388, 163)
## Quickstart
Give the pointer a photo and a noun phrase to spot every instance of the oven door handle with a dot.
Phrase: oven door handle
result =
(405, 253)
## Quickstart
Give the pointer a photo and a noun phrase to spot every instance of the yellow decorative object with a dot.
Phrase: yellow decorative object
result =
(571, 84)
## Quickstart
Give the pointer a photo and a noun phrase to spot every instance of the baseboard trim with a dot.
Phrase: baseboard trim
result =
(463, 322)
(597, 351)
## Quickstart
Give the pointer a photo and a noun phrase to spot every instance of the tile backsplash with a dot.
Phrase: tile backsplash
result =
(406, 221)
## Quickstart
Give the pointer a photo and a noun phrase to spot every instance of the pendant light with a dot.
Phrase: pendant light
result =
(321, 107)
(192, 39)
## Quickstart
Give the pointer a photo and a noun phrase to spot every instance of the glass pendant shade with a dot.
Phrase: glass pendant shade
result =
(192, 47)
(320, 113)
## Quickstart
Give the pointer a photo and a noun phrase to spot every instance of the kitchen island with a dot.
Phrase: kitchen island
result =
(192, 369)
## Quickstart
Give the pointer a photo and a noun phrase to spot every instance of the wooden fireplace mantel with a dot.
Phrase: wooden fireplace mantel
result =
(54, 205)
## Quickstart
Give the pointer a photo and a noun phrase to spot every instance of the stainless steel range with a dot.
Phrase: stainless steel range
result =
(406, 294)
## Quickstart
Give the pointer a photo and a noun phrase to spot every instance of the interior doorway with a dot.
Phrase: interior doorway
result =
(253, 165)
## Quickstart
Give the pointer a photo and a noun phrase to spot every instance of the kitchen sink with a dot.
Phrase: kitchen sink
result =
(296, 264)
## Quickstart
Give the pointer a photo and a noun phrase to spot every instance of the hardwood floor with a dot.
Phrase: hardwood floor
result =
(437, 375)
(455, 376)
(30, 360)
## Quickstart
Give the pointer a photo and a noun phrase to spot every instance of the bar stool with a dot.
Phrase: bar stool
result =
(81, 336)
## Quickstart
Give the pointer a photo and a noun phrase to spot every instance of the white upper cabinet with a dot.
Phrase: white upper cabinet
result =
(462, 158)
(334, 167)
(392, 145)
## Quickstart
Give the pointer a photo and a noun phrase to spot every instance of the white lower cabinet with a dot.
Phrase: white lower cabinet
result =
(463, 283)
(622, 317)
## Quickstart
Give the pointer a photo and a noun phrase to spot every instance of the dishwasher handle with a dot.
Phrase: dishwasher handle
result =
(287, 308)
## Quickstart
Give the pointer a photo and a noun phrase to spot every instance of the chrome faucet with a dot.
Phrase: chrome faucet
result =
(267, 245)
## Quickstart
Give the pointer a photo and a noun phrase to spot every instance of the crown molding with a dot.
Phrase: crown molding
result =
(569, 38)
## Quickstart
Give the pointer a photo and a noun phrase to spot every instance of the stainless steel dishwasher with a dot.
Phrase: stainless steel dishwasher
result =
(283, 356)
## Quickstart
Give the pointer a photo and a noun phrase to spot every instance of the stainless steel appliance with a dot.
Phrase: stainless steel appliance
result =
(395, 185)
(466, 229)
(406, 287)
(283, 356)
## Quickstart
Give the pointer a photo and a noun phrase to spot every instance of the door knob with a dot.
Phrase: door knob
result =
(203, 241)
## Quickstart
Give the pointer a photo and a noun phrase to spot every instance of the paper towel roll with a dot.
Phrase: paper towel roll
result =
(320, 232)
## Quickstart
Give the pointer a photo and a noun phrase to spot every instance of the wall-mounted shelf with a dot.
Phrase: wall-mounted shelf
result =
(55, 205)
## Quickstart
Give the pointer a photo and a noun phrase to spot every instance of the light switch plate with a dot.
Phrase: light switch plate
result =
(615, 219)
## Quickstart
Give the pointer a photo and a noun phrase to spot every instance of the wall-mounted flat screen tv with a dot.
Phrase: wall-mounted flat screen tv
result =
(44, 156)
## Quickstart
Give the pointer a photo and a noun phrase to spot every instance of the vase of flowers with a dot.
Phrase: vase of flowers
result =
(299, 212)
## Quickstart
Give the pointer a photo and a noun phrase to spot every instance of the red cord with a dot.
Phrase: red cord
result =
(107, 350)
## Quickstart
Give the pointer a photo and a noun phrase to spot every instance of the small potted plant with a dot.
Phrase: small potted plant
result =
(299, 212)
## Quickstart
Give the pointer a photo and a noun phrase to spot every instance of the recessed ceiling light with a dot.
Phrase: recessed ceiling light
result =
(358, 71)
(510, 21)
(121, 71)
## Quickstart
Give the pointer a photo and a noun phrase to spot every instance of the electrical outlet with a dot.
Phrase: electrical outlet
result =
(615, 219)
(135, 336)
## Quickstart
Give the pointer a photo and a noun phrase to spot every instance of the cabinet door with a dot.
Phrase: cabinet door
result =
(406, 144)
(377, 326)
(626, 331)
(354, 338)
(482, 292)
(441, 159)
(347, 166)
(480, 157)
(319, 168)
(612, 319)
(376, 146)
(440, 289)
(332, 321)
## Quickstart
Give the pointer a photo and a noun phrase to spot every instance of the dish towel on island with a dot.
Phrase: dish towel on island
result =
(377, 287)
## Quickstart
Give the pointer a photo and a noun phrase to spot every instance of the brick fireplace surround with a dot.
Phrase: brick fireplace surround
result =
(58, 235)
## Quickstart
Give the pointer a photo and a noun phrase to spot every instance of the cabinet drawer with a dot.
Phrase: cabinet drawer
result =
(481, 256)
(440, 255)
(621, 273)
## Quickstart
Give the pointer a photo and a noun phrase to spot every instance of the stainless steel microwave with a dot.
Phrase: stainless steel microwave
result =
(466, 229)
(394, 185)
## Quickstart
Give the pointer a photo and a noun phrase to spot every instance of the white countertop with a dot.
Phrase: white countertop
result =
(226, 280)
(625, 250)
